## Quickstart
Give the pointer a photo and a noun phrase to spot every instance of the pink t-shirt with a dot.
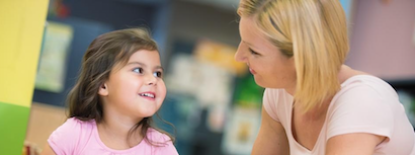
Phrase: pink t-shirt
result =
(76, 137)
(365, 104)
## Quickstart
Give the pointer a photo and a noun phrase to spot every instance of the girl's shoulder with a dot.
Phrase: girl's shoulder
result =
(162, 141)
(156, 136)
(71, 136)
(74, 125)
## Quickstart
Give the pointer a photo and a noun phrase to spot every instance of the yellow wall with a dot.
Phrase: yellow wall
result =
(22, 24)
(21, 30)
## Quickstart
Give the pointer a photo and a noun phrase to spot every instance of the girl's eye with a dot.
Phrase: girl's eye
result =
(158, 74)
(138, 70)
(253, 52)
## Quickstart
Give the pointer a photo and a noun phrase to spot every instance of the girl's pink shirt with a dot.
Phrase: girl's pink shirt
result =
(76, 137)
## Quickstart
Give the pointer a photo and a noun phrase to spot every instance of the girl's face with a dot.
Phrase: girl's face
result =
(137, 88)
(270, 67)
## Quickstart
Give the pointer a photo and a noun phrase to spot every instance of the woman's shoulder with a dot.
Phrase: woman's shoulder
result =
(277, 103)
(275, 97)
(354, 80)
(276, 93)
(368, 93)
(368, 104)
(368, 85)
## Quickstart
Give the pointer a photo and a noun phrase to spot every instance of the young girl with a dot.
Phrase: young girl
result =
(119, 88)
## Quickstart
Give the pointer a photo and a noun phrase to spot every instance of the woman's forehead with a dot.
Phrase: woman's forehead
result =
(251, 34)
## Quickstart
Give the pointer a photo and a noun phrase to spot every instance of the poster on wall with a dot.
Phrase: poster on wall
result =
(220, 55)
(219, 68)
(52, 60)
(248, 93)
(245, 117)
(241, 130)
(207, 75)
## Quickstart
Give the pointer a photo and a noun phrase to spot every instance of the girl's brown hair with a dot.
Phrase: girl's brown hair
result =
(105, 52)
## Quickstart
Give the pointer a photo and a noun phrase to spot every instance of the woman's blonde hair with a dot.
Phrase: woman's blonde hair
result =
(314, 32)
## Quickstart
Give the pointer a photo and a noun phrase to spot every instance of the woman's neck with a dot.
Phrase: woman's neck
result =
(315, 113)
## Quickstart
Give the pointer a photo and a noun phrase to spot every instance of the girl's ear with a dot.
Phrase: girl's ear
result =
(103, 90)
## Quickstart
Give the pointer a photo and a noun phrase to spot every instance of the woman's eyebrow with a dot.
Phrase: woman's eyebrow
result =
(249, 44)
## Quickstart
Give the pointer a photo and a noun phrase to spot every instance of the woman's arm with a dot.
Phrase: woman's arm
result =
(47, 150)
(355, 143)
(271, 138)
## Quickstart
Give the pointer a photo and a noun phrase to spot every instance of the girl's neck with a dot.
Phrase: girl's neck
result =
(116, 132)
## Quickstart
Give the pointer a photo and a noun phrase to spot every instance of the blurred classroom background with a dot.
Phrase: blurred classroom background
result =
(212, 101)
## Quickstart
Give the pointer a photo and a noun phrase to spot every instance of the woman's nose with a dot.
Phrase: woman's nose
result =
(239, 55)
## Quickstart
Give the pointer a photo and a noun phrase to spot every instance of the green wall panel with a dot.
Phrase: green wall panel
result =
(13, 124)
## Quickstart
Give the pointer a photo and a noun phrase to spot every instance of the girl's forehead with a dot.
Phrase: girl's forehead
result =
(145, 57)
(145, 54)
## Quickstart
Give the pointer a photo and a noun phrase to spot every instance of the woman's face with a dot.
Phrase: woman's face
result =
(270, 67)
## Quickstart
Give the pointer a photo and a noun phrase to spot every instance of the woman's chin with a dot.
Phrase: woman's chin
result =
(260, 82)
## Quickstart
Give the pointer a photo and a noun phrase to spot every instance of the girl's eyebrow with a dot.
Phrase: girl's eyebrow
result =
(135, 62)
(159, 67)
(144, 65)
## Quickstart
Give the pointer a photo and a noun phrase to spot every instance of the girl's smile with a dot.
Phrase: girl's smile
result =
(148, 95)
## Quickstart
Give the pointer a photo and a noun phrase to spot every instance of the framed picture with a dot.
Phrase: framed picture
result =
(52, 60)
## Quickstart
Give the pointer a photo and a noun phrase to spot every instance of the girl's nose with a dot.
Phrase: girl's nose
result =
(151, 80)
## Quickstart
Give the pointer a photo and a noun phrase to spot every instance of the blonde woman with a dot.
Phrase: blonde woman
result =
(313, 104)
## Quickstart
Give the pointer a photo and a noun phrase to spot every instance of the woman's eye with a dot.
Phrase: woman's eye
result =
(253, 52)
(138, 70)
(158, 74)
